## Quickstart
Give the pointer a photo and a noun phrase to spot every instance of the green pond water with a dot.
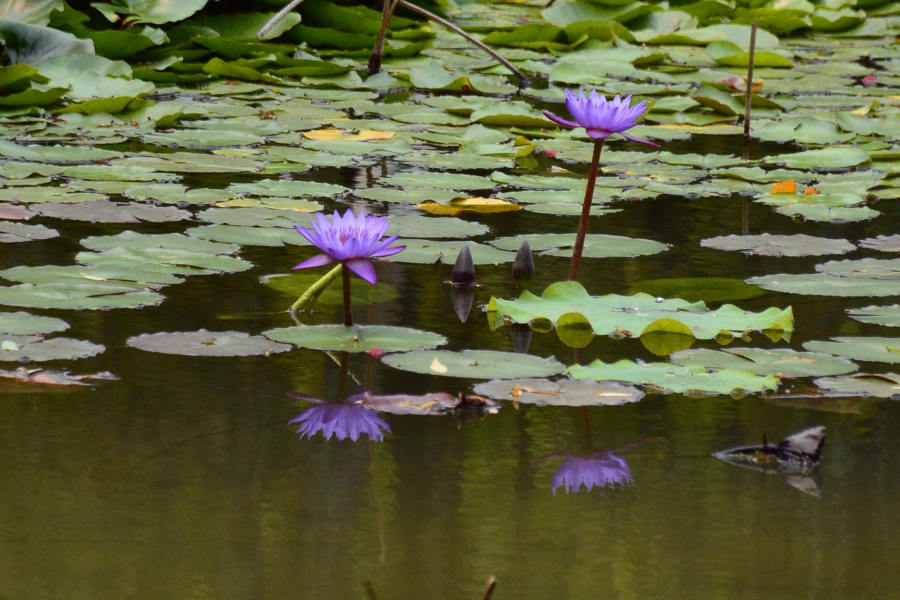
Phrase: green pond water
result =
(182, 479)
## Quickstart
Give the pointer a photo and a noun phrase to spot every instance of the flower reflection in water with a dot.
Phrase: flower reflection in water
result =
(347, 419)
(601, 470)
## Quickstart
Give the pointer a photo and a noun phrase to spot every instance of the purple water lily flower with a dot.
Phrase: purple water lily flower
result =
(602, 470)
(349, 240)
(347, 419)
(601, 118)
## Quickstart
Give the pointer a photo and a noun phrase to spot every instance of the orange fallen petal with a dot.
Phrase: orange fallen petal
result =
(810, 191)
(784, 187)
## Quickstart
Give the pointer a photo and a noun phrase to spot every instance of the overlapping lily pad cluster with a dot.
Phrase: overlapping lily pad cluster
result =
(119, 112)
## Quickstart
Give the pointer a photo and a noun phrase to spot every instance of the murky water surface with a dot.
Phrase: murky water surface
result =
(183, 479)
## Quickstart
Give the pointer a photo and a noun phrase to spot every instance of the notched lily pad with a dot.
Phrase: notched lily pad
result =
(788, 363)
(88, 295)
(872, 349)
(474, 364)
(104, 211)
(11, 233)
(779, 245)
(614, 314)
(595, 246)
(22, 323)
(207, 343)
(674, 378)
(36, 348)
(356, 338)
(881, 385)
(564, 392)
(879, 315)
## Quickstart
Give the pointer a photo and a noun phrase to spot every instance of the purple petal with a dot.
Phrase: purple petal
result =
(388, 251)
(316, 261)
(560, 121)
(362, 267)
(639, 140)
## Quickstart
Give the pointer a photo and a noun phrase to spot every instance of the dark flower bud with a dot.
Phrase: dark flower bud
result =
(464, 269)
(523, 265)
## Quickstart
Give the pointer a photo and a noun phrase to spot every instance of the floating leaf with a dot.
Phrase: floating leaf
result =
(880, 315)
(458, 205)
(663, 376)
(872, 349)
(361, 291)
(612, 313)
(207, 343)
(38, 349)
(11, 233)
(822, 284)
(881, 385)
(475, 364)
(825, 158)
(883, 243)
(22, 323)
(563, 392)
(784, 363)
(430, 252)
(779, 245)
(87, 295)
(595, 245)
(104, 211)
(357, 338)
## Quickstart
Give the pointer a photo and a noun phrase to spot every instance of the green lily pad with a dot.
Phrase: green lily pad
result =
(612, 313)
(169, 260)
(104, 211)
(564, 392)
(207, 343)
(888, 316)
(779, 245)
(449, 181)
(696, 289)
(249, 236)
(595, 246)
(872, 349)
(674, 378)
(356, 338)
(76, 273)
(881, 385)
(150, 11)
(22, 323)
(88, 295)
(822, 284)
(475, 364)
(409, 195)
(784, 363)
(289, 189)
(37, 349)
(883, 243)
(33, 44)
(430, 252)
(171, 241)
(11, 233)
(825, 158)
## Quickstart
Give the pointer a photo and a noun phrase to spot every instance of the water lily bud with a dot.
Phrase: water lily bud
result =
(464, 269)
(523, 265)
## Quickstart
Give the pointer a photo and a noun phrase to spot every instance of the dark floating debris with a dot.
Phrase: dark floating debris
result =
(463, 269)
(523, 265)
(794, 458)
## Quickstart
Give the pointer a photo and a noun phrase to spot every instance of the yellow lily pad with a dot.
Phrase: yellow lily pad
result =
(461, 204)
(344, 135)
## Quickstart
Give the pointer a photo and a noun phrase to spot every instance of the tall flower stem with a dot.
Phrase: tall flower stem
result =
(585, 211)
(316, 289)
(348, 308)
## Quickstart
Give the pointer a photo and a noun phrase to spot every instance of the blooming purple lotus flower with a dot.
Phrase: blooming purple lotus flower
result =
(602, 470)
(349, 240)
(347, 419)
(601, 118)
